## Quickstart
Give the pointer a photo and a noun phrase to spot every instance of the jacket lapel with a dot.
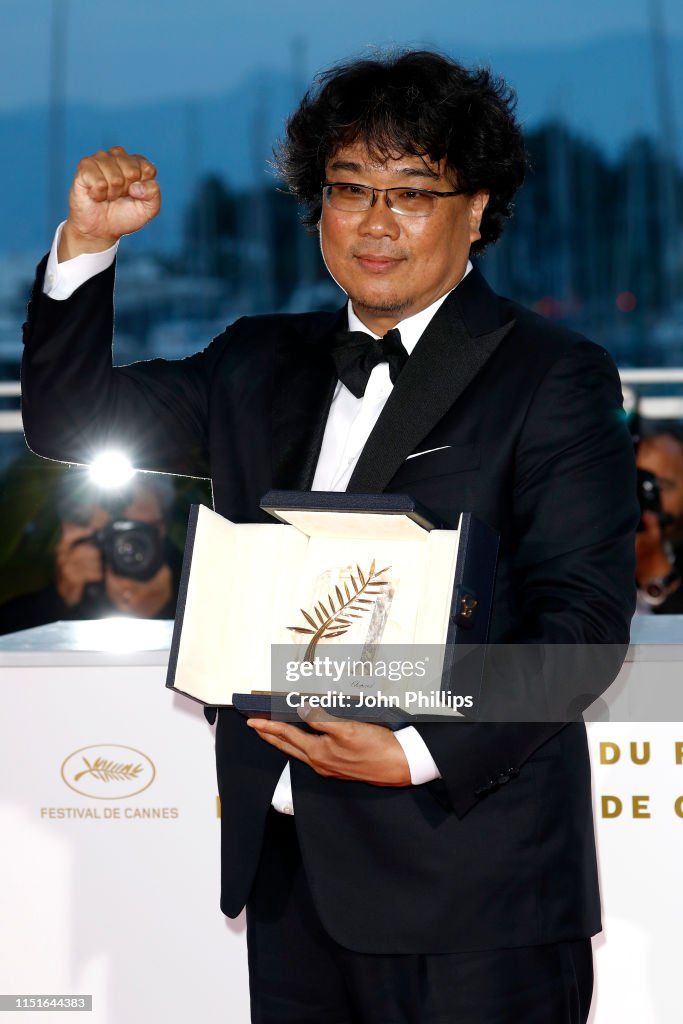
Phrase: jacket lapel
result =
(458, 342)
(304, 386)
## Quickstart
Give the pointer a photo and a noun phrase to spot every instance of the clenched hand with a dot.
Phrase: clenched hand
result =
(114, 193)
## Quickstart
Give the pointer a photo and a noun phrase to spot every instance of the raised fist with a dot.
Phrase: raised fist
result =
(114, 193)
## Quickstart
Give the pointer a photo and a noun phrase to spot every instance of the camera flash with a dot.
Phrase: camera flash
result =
(111, 469)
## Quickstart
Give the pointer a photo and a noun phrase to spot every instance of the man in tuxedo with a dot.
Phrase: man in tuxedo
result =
(442, 872)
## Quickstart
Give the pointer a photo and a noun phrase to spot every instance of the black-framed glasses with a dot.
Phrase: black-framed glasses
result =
(410, 202)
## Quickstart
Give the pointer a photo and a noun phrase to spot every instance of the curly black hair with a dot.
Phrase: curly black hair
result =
(409, 102)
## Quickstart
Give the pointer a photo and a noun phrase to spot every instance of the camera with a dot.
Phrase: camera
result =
(129, 548)
(650, 498)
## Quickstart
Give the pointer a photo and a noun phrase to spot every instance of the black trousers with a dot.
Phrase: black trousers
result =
(299, 974)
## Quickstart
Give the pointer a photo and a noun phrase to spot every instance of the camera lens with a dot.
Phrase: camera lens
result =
(134, 549)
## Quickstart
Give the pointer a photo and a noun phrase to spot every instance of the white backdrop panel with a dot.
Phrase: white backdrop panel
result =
(117, 895)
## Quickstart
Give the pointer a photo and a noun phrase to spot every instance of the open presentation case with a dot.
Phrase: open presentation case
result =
(339, 579)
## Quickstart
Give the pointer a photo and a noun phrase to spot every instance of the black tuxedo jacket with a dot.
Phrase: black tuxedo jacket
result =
(500, 851)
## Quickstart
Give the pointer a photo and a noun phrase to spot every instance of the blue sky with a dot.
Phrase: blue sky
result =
(136, 49)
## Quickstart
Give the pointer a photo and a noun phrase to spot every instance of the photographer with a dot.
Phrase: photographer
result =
(659, 542)
(111, 557)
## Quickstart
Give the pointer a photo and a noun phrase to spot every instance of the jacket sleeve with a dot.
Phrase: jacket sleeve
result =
(75, 403)
(574, 513)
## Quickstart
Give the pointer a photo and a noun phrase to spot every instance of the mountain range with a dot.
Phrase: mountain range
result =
(604, 89)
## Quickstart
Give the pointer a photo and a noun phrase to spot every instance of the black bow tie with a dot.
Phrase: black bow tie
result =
(356, 354)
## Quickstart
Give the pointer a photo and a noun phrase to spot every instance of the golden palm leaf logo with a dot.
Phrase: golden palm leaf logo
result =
(335, 615)
(107, 771)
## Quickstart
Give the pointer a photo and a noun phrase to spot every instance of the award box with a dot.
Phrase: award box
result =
(337, 573)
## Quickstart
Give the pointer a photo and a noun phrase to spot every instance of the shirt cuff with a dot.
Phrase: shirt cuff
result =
(62, 279)
(420, 762)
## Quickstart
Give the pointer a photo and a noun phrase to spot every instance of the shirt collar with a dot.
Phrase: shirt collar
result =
(413, 327)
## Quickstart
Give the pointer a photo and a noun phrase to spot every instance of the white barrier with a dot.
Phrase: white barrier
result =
(109, 893)
(109, 869)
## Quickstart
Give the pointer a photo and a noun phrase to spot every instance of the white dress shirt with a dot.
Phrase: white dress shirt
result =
(349, 424)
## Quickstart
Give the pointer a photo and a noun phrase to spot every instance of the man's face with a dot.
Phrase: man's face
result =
(393, 265)
(663, 456)
(145, 508)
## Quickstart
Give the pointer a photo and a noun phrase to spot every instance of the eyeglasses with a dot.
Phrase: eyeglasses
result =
(410, 202)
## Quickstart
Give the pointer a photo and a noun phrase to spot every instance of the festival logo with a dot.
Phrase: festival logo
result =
(108, 771)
